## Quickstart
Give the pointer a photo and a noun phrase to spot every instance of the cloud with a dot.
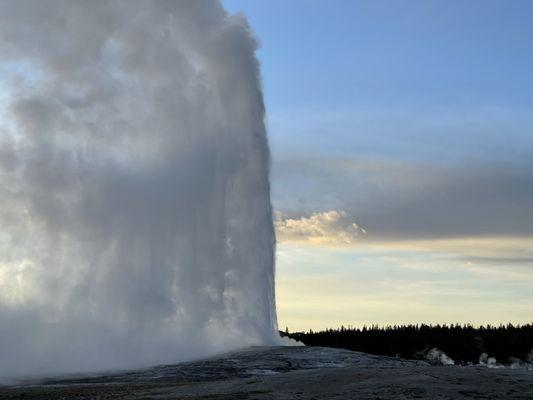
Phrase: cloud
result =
(508, 258)
(404, 200)
(501, 260)
(322, 228)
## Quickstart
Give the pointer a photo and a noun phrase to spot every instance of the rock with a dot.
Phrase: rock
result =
(288, 373)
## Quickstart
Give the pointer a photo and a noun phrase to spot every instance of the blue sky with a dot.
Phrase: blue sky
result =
(412, 120)
(385, 53)
(446, 63)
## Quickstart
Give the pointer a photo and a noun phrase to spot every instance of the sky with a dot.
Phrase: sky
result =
(402, 159)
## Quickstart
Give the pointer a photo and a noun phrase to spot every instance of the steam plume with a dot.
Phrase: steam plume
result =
(136, 223)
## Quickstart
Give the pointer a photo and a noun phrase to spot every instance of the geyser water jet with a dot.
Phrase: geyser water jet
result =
(136, 224)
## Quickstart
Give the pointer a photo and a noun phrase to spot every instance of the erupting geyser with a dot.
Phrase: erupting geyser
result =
(135, 218)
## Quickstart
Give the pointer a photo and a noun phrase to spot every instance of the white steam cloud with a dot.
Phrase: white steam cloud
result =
(135, 219)
(438, 357)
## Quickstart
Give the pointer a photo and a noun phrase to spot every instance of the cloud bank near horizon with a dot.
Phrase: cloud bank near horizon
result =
(409, 200)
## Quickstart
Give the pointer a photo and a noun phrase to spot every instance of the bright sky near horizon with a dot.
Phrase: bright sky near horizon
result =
(402, 147)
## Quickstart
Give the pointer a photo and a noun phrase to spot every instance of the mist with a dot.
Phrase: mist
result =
(136, 224)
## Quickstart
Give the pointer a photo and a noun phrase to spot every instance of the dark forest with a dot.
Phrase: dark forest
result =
(465, 344)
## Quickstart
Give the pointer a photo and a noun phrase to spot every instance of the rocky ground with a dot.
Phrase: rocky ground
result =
(288, 373)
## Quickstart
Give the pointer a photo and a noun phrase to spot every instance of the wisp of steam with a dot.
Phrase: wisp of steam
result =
(135, 219)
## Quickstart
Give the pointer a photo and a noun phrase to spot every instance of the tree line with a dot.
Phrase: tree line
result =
(463, 343)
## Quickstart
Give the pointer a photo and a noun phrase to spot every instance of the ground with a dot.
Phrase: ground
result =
(288, 373)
